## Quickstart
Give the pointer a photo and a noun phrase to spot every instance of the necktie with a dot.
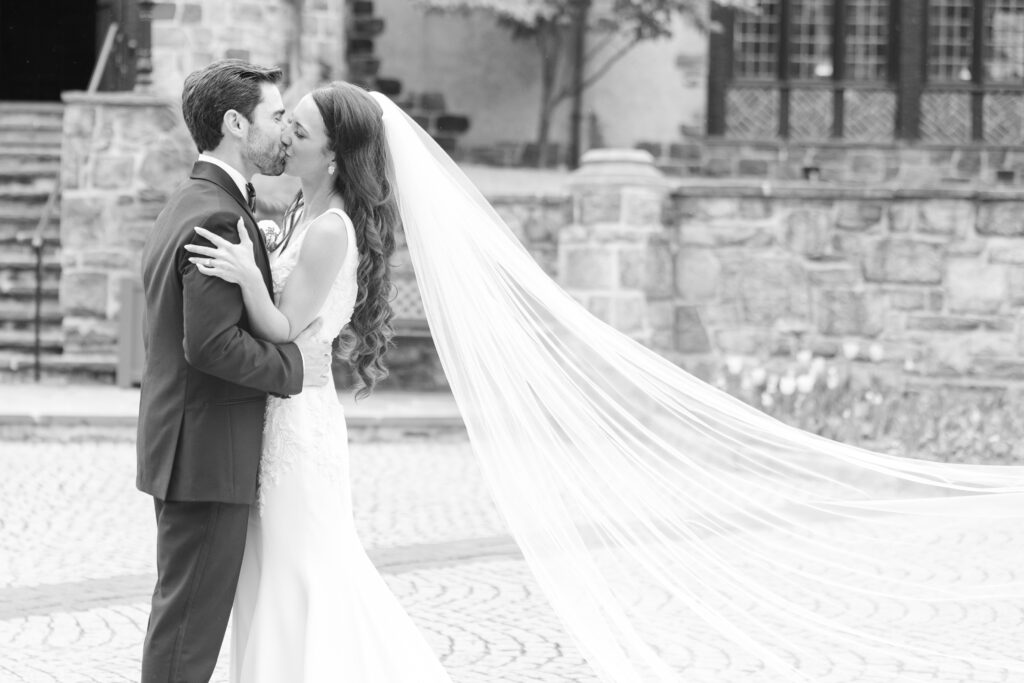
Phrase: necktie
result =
(250, 193)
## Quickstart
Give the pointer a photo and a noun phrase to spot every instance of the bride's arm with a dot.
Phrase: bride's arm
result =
(320, 259)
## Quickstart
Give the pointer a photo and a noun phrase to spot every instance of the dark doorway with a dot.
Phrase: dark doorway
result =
(46, 47)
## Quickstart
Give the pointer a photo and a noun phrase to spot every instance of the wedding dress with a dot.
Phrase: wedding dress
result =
(310, 606)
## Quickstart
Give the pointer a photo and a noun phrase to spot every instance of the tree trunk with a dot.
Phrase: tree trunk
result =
(550, 54)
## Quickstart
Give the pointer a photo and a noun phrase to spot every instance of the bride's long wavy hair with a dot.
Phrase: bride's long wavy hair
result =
(355, 135)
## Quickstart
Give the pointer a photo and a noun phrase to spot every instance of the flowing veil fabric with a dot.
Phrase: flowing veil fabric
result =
(672, 526)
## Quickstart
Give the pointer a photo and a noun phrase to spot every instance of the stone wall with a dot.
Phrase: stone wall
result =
(929, 282)
(917, 166)
(121, 157)
(306, 37)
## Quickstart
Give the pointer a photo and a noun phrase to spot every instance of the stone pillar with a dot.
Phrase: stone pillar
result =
(122, 155)
(615, 258)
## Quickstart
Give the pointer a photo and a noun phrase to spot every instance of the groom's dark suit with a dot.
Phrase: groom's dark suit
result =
(204, 391)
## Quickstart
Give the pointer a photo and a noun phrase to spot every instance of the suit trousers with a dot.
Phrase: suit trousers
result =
(199, 557)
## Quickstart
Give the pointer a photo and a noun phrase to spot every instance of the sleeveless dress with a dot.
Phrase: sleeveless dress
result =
(310, 606)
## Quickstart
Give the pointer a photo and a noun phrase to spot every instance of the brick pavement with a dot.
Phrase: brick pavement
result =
(76, 557)
(76, 548)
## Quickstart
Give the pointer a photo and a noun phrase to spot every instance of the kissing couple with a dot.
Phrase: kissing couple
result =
(253, 510)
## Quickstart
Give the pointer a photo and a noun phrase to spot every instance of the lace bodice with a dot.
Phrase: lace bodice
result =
(309, 428)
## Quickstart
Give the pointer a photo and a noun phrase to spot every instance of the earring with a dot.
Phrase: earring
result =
(330, 168)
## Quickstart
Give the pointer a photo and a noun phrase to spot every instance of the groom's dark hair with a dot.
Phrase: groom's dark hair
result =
(210, 92)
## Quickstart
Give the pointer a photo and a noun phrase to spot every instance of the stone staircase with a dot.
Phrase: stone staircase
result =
(30, 141)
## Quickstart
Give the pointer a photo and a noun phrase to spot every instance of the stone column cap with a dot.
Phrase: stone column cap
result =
(619, 167)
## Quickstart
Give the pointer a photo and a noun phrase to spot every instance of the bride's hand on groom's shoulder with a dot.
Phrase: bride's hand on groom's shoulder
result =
(230, 262)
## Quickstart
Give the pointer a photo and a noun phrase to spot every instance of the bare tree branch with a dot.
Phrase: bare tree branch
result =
(599, 71)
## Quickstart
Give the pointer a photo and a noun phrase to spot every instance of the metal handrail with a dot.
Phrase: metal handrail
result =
(38, 242)
(101, 61)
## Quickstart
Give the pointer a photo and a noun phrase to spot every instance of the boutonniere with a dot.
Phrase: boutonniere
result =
(271, 233)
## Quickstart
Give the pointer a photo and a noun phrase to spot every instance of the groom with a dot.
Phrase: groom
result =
(206, 378)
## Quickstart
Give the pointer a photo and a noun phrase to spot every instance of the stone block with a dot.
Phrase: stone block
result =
(163, 11)
(589, 267)
(89, 335)
(904, 260)
(84, 293)
(973, 286)
(743, 341)
(848, 312)
(958, 323)
(903, 216)
(945, 217)
(598, 205)
(968, 163)
(766, 288)
(624, 312)
(233, 53)
(113, 171)
(191, 13)
(868, 167)
(905, 299)
(858, 216)
(632, 267)
(832, 275)
(1015, 284)
(641, 206)
(691, 336)
(718, 207)
(1005, 251)
(697, 275)
(83, 220)
(755, 209)
(165, 165)
(1004, 219)
(809, 232)
(79, 120)
(659, 273)
(168, 35)
(112, 259)
(758, 168)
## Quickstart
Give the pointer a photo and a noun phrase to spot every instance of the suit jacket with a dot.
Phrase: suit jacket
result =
(206, 378)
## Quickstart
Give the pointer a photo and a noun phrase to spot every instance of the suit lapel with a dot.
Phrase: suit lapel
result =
(216, 175)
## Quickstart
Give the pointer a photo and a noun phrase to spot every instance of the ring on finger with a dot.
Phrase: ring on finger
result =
(209, 263)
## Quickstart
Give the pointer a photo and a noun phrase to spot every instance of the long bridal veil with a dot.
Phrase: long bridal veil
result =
(674, 528)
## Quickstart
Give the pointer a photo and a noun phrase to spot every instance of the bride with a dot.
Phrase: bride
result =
(663, 518)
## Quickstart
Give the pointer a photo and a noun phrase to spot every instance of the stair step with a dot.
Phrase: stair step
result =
(28, 151)
(24, 340)
(42, 137)
(30, 121)
(27, 261)
(14, 236)
(30, 167)
(42, 107)
(24, 310)
(22, 281)
(27, 292)
(28, 182)
(17, 367)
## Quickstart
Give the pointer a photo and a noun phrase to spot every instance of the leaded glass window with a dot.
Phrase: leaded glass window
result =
(950, 31)
(867, 40)
(756, 42)
(1004, 41)
(810, 49)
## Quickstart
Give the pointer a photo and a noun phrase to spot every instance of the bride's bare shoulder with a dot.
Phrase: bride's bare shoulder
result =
(327, 237)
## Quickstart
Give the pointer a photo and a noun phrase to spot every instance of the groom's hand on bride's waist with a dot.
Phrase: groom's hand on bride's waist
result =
(316, 355)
